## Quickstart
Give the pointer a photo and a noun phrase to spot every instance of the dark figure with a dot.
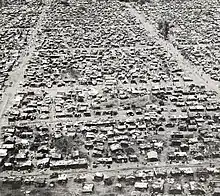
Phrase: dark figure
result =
(166, 29)
(65, 2)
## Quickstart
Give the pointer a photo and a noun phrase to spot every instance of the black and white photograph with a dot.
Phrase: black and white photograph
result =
(109, 97)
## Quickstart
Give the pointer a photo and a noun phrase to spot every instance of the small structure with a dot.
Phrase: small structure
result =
(141, 186)
(88, 188)
(62, 178)
(175, 189)
(99, 176)
(152, 156)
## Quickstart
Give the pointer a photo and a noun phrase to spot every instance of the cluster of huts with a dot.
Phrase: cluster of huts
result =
(100, 92)
(16, 26)
(26, 148)
(195, 30)
(171, 181)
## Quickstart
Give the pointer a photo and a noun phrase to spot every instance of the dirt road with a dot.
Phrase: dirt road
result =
(17, 76)
(188, 68)
(123, 169)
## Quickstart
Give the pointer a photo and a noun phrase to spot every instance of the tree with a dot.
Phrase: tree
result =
(62, 144)
(166, 29)
(160, 25)
(142, 2)
(2, 2)
(65, 2)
